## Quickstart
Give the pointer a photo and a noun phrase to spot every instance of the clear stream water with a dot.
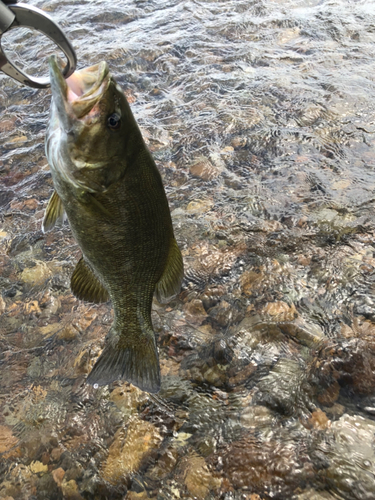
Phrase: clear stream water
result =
(261, 117)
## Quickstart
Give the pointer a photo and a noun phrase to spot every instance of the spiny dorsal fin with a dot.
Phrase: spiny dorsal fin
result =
(86, 286)
(54, 212)
(170, 282)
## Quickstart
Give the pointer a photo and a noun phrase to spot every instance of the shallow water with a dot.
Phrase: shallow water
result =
(261, 118)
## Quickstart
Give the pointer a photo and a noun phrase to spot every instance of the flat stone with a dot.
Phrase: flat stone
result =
(130, 446)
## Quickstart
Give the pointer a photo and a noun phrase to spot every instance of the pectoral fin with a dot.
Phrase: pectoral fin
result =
(54, 212)
(86, 286)
(170, 282)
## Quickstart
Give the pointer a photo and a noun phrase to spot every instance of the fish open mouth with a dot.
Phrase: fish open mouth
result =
(81, 91)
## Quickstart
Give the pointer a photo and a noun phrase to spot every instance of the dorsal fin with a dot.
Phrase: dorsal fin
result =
(54, 212)
(86, 286)
(170, 282)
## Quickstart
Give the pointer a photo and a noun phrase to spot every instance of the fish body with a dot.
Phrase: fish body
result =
(107, 183)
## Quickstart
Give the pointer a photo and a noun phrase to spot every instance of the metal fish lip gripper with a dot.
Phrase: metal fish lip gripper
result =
(19, 15)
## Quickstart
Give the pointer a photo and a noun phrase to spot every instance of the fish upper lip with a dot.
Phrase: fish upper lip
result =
(81, 91)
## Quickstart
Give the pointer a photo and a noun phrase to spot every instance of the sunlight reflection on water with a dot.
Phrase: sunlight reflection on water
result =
(260, 116)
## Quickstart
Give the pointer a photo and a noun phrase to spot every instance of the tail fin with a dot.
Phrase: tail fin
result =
(137, 363)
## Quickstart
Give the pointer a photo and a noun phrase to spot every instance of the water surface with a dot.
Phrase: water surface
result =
(260, 116)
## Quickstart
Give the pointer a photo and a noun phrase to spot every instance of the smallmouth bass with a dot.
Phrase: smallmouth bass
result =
(107, 183)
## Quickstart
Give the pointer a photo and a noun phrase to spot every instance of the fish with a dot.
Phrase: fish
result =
(107, 185)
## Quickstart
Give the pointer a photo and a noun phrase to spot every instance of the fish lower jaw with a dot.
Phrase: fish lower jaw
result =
(80, 164)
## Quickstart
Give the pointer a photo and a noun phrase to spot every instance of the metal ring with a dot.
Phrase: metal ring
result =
(32, 17)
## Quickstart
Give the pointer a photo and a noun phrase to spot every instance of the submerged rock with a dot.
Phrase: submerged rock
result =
(275, 467)
(286, 389)
(198, 480)
(204, 170)
(349, 448)
(130, 447)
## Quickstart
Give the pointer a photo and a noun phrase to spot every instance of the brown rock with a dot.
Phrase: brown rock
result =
(199, 206)
(56, 454)
(36, 275)
(7, 440)
(329, 395)
(7, 125)
(2, 305)
(70, 490)
(303, 260)
(335, 411)
(238, 142)
(83, 362)
(129, 448)
(250, 281)
(195, 312)
(128, 398)
(165, 463)
(204, 170)
(198, 479)
(31, 204)
(32, 307)
(37, 467)
(18, 138)
(58, 475)
(319, 420)
(347, 361)
(133, 495)
(169, 367)
(280, 311)
(68, 333)
(242, 375)
(224, 313)
(269, 466)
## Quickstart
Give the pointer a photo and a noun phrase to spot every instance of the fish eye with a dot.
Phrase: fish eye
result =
(114, 121)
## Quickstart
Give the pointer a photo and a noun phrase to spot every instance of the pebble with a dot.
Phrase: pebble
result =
(335, 411)
(319, 420)
(7, 440)
(199, 206)
(165, 464)
(198, 479)
(36, 275)
(58, 475)
(224, 314)
(275, 467)
(314, 495)
(250, 281)
(257, 417)
(280, 311)
(68, 333)
(348, 448)
(128, 398)
(70, 490)
(195, 312)
(130, 446)
(238, 142)
(37, 467)
(204, 170)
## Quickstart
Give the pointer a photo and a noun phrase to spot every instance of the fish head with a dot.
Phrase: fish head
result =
(91, 127)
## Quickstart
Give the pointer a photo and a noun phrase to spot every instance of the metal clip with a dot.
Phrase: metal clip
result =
(24, 16)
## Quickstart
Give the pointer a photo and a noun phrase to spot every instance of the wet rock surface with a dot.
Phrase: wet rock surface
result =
(260, 117)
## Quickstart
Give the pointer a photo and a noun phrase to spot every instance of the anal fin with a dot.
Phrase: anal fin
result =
(86, 286)
(170, 282)
(54, 212)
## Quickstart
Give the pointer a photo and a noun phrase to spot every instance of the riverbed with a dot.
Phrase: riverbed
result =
(261, 118)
